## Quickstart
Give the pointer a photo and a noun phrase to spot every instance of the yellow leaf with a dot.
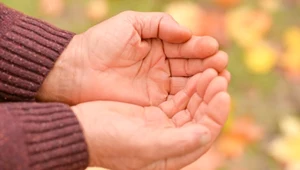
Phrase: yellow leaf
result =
(270, 5)
(286, 149)
(295, 166)
(246, 128)
(227, 3)
(52, 7)
(231, 145)
(291, 39)
(260, 58)
(97, 9)
(290, 126)
(248, 26)
(291, 61)
(188, 14)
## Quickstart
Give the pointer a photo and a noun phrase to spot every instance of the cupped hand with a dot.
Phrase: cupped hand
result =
(124, 136)
(134, 57)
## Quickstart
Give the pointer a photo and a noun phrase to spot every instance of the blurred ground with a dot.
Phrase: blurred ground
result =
(262, 38)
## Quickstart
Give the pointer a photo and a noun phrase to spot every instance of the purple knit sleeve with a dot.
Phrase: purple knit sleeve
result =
(36, 136)
(28, 49)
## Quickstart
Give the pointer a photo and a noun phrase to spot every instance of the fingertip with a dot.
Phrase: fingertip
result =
(211, 45)
(203, 82)
(225, 100)
(218, 84)
(220, 80)
(207, 74)
(225, 97)
(223, 60)
(172, 32)
(186, 32)
(211, 72)
(220, 107)
(226, 74)
(224, 55)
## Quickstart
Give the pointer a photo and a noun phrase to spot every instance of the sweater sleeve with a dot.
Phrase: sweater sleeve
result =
(35, 136)
(28, 50)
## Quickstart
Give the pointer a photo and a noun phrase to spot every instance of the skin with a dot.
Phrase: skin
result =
(162, 91)
(138, 58)
(165, 137)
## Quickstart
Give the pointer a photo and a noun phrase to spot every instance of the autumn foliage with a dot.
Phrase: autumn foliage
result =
(262, 38)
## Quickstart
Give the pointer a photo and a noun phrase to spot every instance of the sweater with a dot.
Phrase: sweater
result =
(34, 136)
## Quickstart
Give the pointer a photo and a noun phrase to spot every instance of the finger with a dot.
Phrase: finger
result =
(221, 99)
(180, 99)
(160, 25)
(177, 103)
(196, 47)
(170, 97)
(177, 84)
(194, 104)
(189, 67)
(202, 86)
(217, 85)
(215, 113)
(205, 80)
(182, 117)
(171, 142)
(219, 61)
(226, 74)
(218, 109)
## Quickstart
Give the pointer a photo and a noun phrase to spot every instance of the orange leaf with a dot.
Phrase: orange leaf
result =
(227, 3)
(231, 146)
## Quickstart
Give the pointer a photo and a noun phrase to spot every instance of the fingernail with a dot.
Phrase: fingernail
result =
(205, 138)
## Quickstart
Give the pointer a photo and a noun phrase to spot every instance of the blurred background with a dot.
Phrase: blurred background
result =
(262, 38)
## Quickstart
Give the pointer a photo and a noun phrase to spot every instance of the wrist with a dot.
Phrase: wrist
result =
(60, 83)
(85, 126)
(29, 48)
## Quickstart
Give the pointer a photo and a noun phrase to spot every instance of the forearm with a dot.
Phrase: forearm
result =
(28, 51)
(37, 136)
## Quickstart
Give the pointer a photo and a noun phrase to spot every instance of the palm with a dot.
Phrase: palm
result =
(141, 71)
(163, 133)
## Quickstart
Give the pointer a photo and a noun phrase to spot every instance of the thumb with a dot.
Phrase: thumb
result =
(172, 142)
(160, 25)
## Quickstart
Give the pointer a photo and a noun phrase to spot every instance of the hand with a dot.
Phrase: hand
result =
(134, 57)
(168, 137)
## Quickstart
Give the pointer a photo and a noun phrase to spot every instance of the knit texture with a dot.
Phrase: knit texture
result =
(38, 136)
(28, 50)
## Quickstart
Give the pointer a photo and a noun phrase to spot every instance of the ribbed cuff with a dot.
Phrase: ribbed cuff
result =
(53, 136)
(28, 50)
